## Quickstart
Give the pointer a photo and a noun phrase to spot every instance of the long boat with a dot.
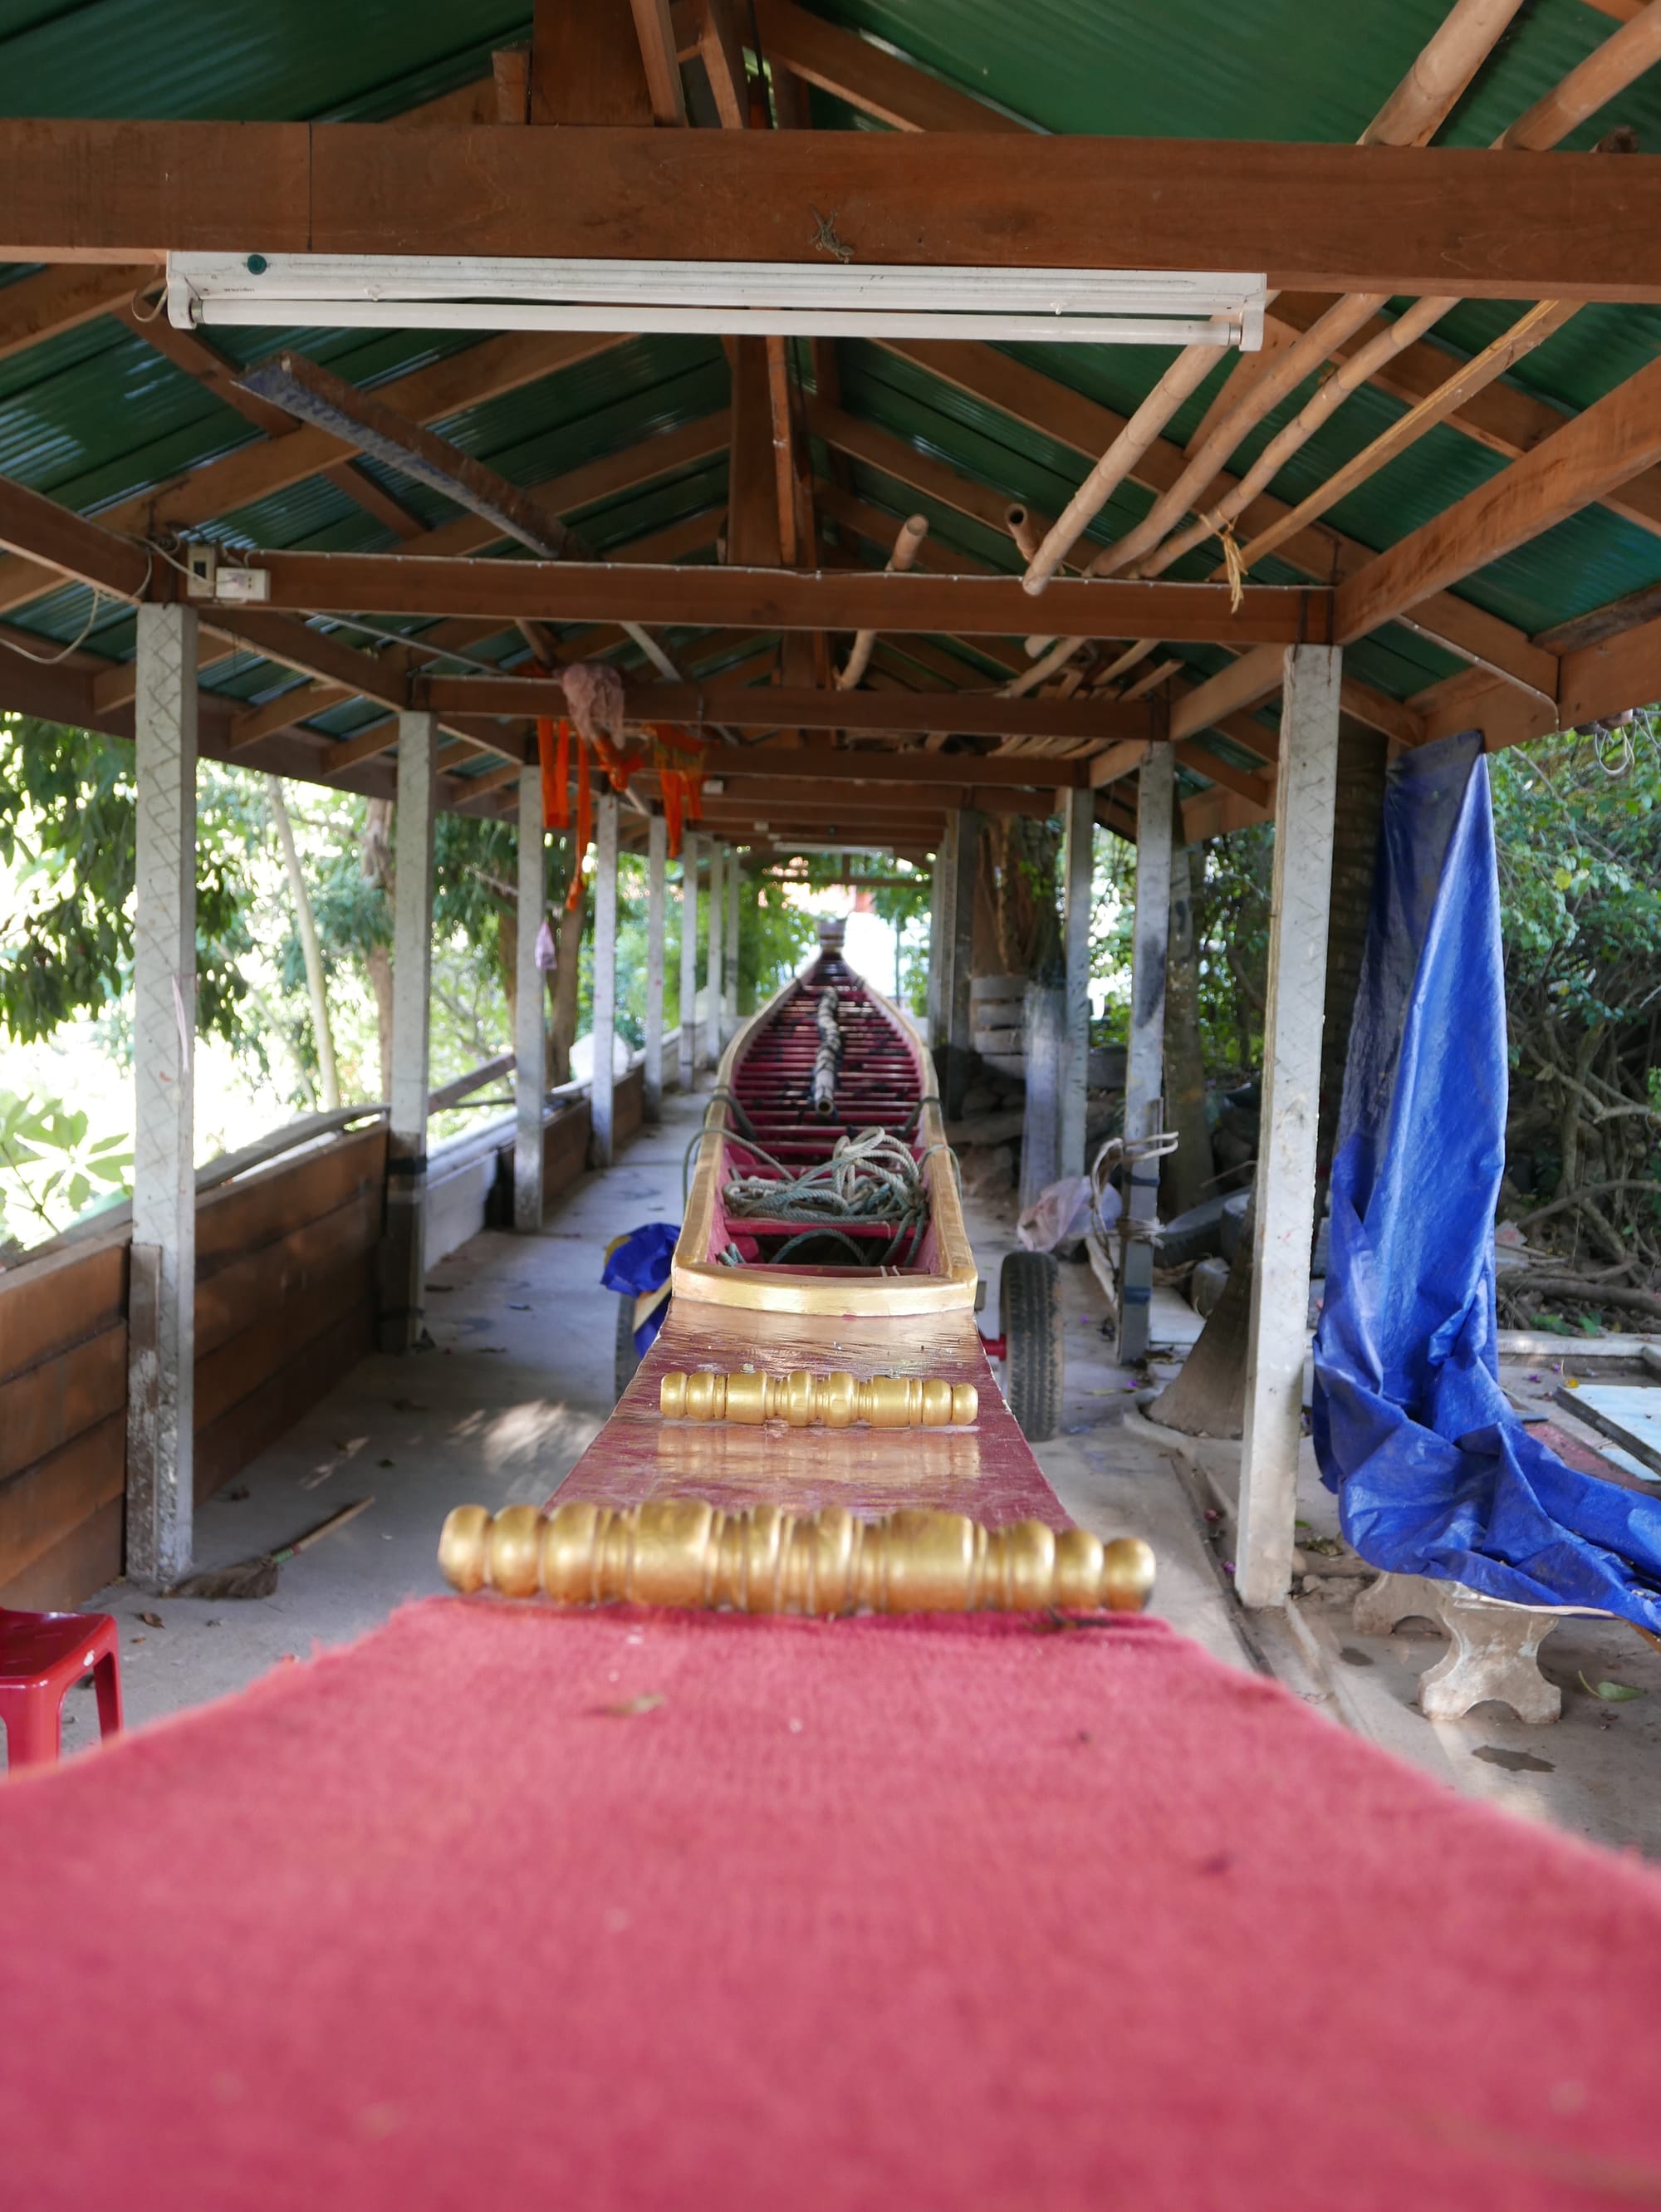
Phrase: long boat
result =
(824, 1234)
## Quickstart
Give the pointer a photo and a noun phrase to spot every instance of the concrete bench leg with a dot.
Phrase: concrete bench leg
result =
(1394, 1598)
(1493, 1656)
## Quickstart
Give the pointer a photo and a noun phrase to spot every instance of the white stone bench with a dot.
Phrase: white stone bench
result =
(1496, 1648)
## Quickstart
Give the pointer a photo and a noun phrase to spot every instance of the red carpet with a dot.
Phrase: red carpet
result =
(861, 1915)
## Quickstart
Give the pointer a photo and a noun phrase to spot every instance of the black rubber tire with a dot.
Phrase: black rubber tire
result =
(1196, 1235)
(627, 1360)
(1029, 1322)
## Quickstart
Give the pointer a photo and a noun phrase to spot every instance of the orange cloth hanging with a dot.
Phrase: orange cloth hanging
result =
(556, 772)
(616, 765)
(670, 781)
(573, 897)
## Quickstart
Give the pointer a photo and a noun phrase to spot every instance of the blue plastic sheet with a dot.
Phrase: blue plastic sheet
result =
(1435, 1475)
(636, 1264)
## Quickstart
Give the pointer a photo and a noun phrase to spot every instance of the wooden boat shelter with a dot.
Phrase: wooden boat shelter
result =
(1429, 497)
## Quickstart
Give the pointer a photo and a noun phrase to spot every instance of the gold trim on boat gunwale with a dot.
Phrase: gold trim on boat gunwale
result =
(951, 1289)
(684, 1552)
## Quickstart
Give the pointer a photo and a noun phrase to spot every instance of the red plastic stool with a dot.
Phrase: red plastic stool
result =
(40, 1655)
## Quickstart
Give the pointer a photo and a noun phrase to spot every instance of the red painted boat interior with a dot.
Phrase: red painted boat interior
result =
(775, 1132)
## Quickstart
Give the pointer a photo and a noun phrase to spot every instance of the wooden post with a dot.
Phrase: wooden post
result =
(657, 859)
(602, 1090)
(689, 1059)
(729, 992)
(1079, 811)
(529, 1028)
(1144, 1074)
(716, 967)
(162, 1323)
(403, 1278)
(1305, 787)
(963, 835)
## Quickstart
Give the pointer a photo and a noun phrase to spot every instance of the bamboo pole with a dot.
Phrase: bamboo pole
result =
(1624, 55)
(1412, 114)
(1532, 329)
(910, 537)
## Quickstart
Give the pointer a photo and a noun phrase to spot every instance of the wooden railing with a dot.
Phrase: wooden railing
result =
(288, 1231)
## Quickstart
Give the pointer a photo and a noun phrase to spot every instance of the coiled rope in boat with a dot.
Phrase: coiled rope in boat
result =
(870, 1176)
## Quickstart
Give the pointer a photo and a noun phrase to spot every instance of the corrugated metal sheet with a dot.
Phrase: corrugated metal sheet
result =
(95, 416)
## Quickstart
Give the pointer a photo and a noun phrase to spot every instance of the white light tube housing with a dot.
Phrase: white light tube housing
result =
(726, 299)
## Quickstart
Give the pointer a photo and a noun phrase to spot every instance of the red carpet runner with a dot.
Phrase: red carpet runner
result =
(506, 1909)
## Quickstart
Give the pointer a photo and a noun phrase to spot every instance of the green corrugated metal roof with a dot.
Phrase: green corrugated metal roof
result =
(95, 416)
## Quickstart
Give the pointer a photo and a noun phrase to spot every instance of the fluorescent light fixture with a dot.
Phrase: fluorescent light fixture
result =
(726, 299)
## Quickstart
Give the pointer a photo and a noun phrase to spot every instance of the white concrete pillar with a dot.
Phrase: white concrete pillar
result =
(529, 1019)
(729, 988)
(602, 1094)
(1079, 814)
(403, 1282)
(657, 859)
(1144, 1073)
(1305, 787)
(964, 845)
(715, 978)
(689, 1059)
(935, 1024)
(162, 1304)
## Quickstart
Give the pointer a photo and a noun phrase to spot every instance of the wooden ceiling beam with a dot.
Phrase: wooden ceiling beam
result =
(878, 84)
(721, 701)
(1327, 218)
(253, 471)
(53, 301)
(576, 591)
(1613, 440)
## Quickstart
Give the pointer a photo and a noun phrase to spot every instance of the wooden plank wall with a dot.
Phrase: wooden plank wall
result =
(284, 1306)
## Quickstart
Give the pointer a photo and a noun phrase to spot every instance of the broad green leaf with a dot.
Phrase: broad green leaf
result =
(1612, 1693)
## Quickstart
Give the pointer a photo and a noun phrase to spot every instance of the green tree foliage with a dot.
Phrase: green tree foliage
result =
(1578, 827)
(68, 827)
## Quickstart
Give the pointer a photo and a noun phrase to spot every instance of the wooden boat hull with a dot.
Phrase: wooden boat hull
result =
(943, 1283)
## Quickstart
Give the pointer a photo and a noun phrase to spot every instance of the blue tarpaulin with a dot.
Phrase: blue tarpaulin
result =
(638, 1264)
(1435, 1475)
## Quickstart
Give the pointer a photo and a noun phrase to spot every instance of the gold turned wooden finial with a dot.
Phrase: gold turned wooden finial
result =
(804, 1401)
(681, 1552)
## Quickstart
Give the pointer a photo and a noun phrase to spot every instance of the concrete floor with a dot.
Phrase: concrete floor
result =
(519, 1381)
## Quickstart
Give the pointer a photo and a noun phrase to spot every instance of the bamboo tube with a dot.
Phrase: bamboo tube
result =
(1441, 74)
(1622, 57)
(1609, 69)
(911, 535)
(1626, 54)
(1412, 114)
(1026, 528)
(1351, 374)
(1541, 322)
